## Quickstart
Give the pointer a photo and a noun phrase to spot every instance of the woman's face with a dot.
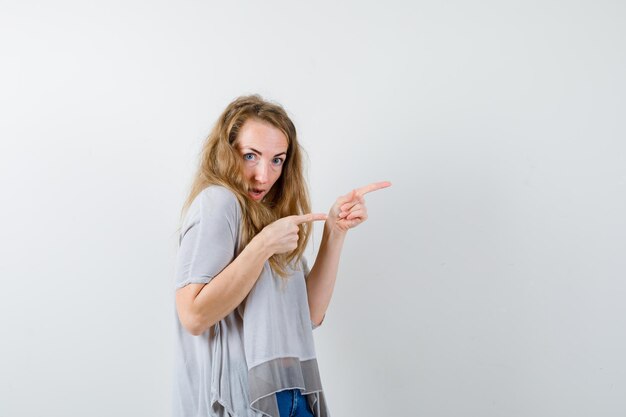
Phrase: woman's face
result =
(263, 148)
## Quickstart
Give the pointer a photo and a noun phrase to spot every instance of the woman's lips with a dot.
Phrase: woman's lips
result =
(256, 193)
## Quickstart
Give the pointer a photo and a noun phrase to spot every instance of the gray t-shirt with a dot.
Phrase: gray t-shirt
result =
(265, 345)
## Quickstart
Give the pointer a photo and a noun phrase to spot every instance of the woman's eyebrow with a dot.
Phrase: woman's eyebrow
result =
(278, 154)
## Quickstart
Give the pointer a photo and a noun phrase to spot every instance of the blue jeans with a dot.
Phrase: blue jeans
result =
(291, 403)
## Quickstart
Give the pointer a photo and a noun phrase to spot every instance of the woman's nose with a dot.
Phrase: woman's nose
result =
(260, 173)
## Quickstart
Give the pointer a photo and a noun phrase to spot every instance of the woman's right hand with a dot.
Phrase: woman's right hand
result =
(281, 236)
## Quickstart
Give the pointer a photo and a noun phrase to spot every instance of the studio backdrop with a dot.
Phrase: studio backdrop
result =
(488, 281)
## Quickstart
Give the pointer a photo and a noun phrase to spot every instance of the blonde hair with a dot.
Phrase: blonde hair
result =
(221, 164)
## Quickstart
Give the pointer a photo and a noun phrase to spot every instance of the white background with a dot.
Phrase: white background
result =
(488, 281)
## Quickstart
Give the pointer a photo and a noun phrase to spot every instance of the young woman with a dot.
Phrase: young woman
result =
(246, 300)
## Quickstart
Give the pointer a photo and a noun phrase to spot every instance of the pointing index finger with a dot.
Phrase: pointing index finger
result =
(372, 187)
(310, 217)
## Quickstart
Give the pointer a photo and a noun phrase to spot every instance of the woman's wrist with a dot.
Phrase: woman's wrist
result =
(334, 234)
(260, 245)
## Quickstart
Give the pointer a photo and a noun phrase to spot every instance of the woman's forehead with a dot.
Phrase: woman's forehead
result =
(261, 135)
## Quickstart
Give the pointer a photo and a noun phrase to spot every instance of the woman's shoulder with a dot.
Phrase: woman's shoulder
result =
(214, 198)
(219, 193)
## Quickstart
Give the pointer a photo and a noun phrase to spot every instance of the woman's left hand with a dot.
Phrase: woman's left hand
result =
(349, 210)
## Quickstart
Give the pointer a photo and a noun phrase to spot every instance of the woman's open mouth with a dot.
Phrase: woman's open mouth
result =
(256, 193)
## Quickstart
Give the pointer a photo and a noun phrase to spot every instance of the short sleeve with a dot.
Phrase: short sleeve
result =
(208, 238)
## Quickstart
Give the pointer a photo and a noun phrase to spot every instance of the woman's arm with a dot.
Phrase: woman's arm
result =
(348, 211)
(320, 282)
(199, 306)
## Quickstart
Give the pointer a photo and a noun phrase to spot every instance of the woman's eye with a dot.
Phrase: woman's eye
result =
(277, 161)
(248, 157)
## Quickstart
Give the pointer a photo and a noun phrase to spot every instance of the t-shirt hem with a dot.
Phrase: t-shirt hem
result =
(198, 280)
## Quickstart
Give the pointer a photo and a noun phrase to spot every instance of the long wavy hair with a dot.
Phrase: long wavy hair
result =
(222, 164)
